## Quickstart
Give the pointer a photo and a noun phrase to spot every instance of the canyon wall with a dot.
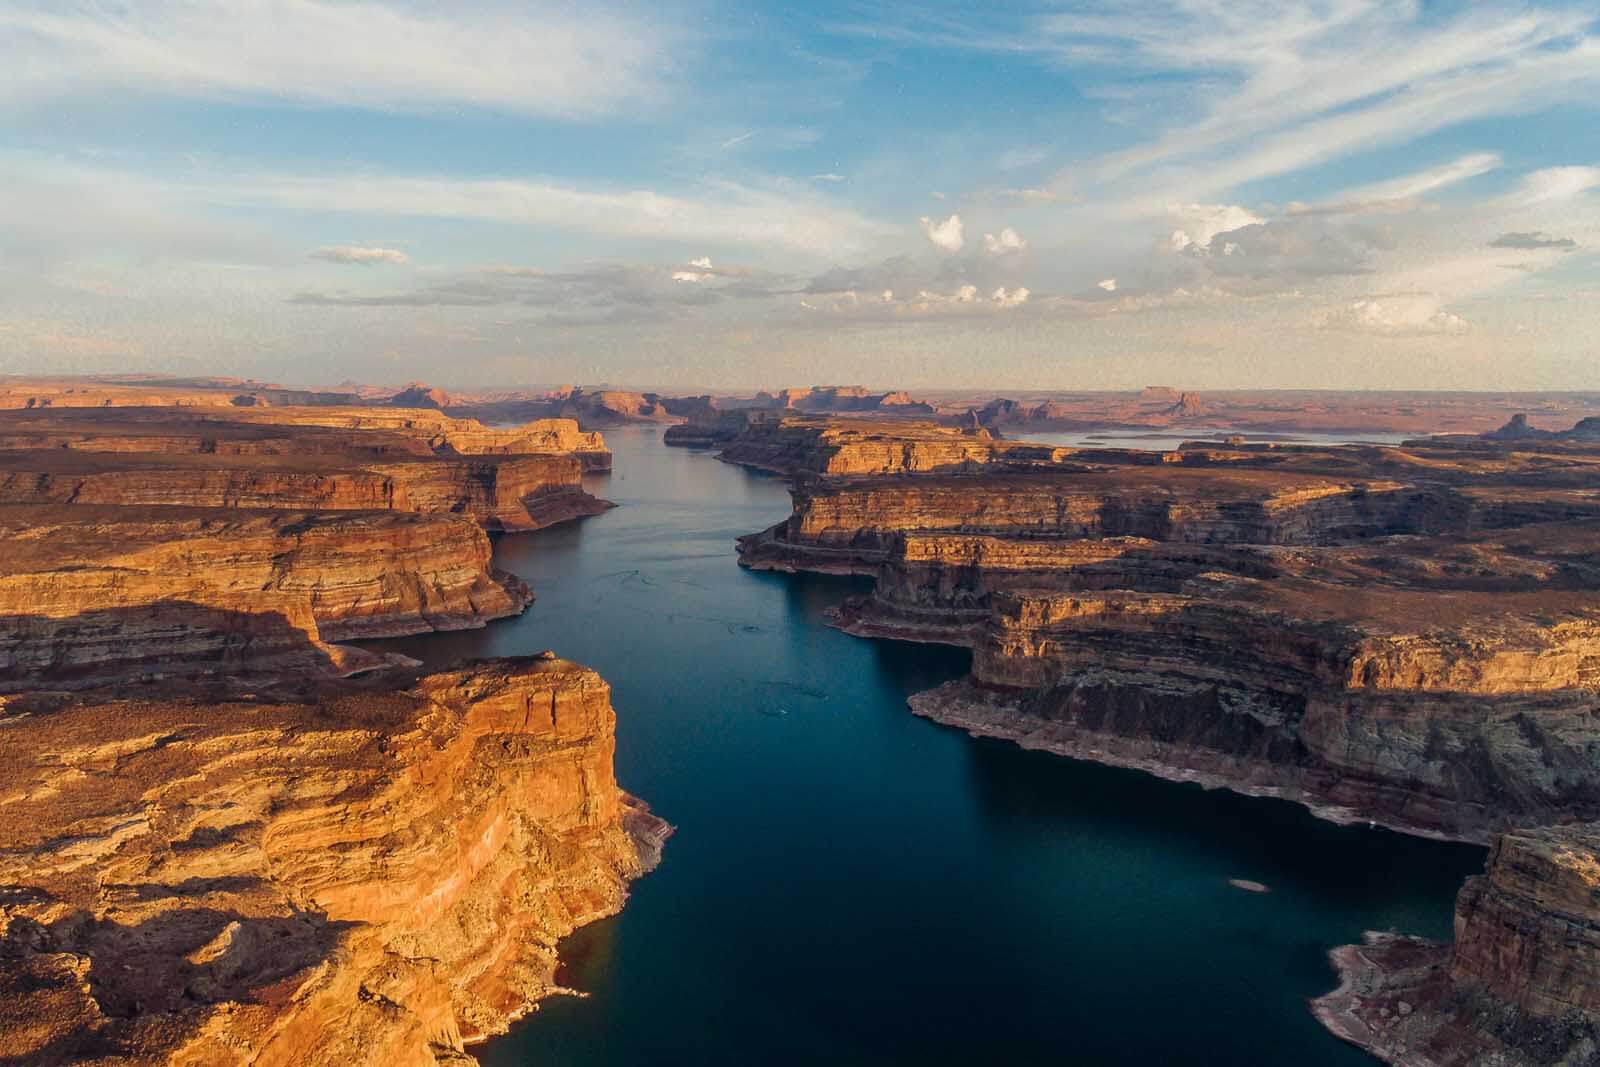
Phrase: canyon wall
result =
(380, 876)
(95, 595)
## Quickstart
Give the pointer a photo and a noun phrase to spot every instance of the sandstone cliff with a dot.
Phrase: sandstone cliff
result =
(1519, 985)
(381, 876)
(93, 595)
(502, 493)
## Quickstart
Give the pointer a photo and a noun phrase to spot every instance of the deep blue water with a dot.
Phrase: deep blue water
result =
(850, 884)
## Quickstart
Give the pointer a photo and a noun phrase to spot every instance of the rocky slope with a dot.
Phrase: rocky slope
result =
(809, 445)
(376, 876)
(1519, 985)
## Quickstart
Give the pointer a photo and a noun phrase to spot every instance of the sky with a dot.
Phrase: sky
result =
(1200, 193)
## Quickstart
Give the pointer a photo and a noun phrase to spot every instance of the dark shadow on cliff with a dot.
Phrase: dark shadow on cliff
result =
(151, 979)
(176, 645)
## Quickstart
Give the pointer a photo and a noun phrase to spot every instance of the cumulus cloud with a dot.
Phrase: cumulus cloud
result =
(1535, 240)
(1108, 284)
(945, 234)
(359, 255)
(1010, 298)
(1198, 224)
(1395, 313)
(1003, 243)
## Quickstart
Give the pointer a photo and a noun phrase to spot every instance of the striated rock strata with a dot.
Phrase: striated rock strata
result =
(90, 595)
(1519, 985)
(379, 876)
(1401, 635)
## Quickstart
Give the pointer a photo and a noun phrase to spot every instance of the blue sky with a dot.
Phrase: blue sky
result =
(1339, 193)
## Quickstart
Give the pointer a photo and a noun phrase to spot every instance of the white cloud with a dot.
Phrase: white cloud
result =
(538, 59)
(1108, 284)
(360, 256)
(1010, 298)
(704, 263)
(829, 177)
(1199, 223)
(1395, 313)
(946, 234)
(1008, 240)
(1556, 183)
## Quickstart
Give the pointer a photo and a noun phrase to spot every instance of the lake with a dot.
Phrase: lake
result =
(850, 884)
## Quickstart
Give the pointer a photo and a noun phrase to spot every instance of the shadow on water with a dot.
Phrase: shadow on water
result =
(851, 884)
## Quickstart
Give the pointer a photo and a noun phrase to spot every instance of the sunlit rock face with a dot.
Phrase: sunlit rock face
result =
(377, 876)
(1521, 982)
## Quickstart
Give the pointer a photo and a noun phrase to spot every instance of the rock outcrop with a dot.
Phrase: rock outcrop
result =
(376, 876)
(1519, 985)
(421, 395)
(812, 445)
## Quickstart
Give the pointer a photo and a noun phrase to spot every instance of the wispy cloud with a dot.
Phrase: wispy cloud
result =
(539, 58)
(360, 256)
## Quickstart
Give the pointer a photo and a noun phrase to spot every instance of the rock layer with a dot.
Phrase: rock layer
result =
(375, 877)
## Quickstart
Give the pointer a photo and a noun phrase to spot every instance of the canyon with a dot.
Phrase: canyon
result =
(1402, 635)
(230, 836)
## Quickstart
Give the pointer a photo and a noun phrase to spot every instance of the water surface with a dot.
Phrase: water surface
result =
(850, 884)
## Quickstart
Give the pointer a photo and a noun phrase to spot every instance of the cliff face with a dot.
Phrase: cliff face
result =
(501, 493)
(1520, 984)
(378, 877)
(96, 595)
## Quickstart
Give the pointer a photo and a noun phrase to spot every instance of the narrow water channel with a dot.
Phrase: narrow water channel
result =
(850, 884)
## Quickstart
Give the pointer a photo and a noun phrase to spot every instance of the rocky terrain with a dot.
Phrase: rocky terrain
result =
(372, 876)
(1520, 984)
(227, 837)
(326, 457)
(1404, 635)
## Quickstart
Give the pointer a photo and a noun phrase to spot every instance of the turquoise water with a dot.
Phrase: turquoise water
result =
(850, 884)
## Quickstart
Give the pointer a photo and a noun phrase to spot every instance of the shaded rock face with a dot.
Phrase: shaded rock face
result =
(1519, 985)
(376, 877)
(92, 595)
(500, 493)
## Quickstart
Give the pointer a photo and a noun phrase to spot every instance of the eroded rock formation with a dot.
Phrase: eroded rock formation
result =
(1403, 635)
(1519, 985)
(375, 877)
